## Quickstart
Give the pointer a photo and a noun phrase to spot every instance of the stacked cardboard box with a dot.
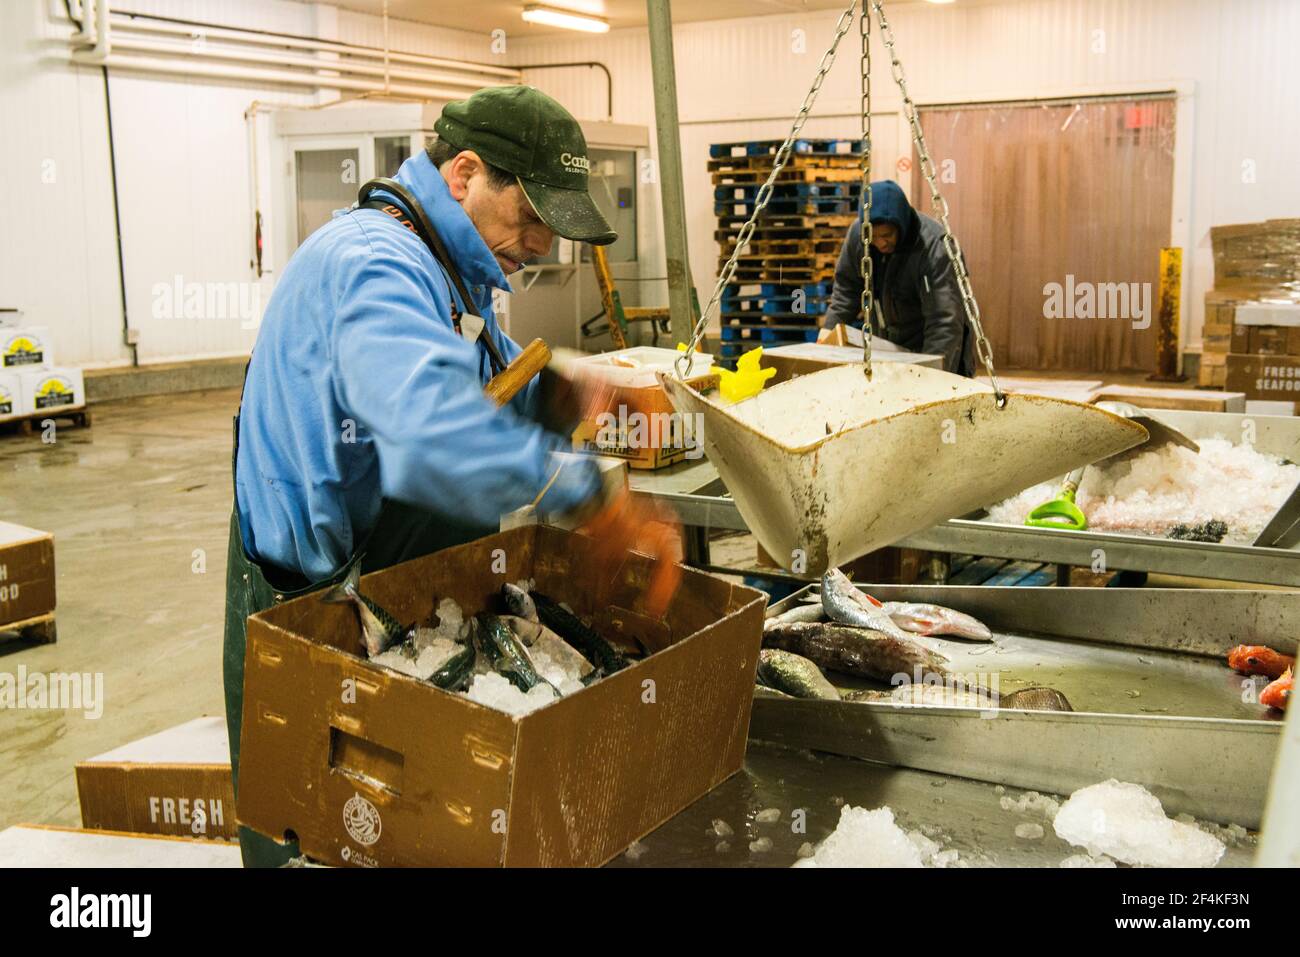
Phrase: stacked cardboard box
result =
(1254, 310)
(176, 782)
(30, 382)
(638, 423)
(38, 845)
(782, 284)
(26, 581)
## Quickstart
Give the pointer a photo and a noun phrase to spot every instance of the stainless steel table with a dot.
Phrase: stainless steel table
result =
(694, 490)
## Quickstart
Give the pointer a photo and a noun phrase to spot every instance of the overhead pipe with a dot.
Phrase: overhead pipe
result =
(280, 77)
(341, 67)
(594, 64)
(103, 42)
(170, 25)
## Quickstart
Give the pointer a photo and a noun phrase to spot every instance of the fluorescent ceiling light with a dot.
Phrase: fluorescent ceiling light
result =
(551, 17)
(939, 1)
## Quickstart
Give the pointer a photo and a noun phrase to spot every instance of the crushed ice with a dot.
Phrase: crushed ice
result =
(1155, 491)
(1031, 801)
(872, 839)
(496, 691)
(1127, 822)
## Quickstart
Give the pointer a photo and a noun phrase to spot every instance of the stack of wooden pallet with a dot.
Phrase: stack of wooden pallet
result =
(782, 284)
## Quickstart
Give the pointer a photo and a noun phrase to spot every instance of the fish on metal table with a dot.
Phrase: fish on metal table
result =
(846, 604)
(798, 613)
(794, 674)
(1259, 660)
(379, 629)
(927, 619)
(855, 650)
(928, 695)
(1036, 699)
(1278, 693)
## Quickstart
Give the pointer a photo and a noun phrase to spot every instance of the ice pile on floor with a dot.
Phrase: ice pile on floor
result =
(1127, 822)
(871, 839)
(1152, 492)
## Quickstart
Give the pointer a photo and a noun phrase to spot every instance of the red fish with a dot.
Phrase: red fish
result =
(1259, 660)
(1277, 694)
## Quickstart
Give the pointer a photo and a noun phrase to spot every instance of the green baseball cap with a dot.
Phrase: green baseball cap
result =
(523, 131)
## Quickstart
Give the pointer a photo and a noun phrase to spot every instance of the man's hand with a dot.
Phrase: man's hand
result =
(626, 522)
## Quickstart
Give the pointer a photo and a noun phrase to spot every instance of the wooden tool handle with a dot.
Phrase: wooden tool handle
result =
(505, 385)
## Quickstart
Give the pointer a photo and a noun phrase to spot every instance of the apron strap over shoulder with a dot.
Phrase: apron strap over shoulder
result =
(418, 222)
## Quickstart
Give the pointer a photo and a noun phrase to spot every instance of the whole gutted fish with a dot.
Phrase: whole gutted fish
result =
(379, 629)
(924, 619)
(798, 613)
(1037, 699)
(519, 602)
(922, 694)
(538, 638)
(578, 634)
(855, 651)
(1259, 660)
(456, 669)
(794, 674)
(506, 653)
(847, 605)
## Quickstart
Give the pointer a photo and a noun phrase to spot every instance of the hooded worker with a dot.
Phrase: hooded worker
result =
(364, 435)
(914, 285)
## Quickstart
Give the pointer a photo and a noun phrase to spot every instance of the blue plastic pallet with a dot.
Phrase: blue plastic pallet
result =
(848, 191)
(762, 147)
(809, 206)
(775, 290)
(769, 334)
(776, 297)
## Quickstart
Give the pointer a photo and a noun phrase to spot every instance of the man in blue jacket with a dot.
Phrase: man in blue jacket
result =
(364, 434)
(913, 285)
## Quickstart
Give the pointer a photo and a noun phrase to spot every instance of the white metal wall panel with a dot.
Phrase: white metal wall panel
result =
(1235, 58)
(183, 159)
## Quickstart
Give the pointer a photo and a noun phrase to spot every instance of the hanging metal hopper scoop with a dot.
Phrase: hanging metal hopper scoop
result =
(828, 466)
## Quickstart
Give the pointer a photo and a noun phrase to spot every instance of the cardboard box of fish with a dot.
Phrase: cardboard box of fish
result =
(505, 702)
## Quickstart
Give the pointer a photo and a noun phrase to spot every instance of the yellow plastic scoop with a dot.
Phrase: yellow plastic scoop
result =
(748, 379)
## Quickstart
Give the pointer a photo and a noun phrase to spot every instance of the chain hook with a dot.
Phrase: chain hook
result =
(950, 244)
(765, 192)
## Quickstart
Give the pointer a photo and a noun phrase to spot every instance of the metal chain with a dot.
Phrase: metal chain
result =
(868, 269)
(765, 193)
(940, 206)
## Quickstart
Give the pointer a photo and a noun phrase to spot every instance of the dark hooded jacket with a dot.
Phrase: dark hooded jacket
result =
(914, 285)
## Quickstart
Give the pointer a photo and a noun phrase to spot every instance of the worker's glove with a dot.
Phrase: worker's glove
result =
(565, 400)
(625, 522)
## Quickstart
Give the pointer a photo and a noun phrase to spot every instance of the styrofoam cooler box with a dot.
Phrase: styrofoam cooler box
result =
(48, 390)
(12, 402)
(25, 347)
